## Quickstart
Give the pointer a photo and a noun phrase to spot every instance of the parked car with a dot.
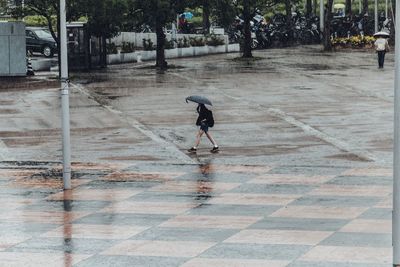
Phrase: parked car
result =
(40, 40)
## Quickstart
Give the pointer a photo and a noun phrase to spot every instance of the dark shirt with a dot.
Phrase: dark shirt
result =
(205, 116)
(182, 23)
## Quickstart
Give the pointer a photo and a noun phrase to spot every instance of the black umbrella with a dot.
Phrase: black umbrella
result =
(198, 99)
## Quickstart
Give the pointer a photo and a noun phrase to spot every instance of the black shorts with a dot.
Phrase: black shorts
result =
(204, 127)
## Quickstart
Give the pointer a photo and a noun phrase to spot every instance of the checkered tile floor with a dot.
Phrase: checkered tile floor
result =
(209, 215)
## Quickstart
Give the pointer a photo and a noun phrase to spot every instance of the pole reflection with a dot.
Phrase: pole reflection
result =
(67, 231)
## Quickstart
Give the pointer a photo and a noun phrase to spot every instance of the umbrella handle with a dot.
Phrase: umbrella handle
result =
(186, 100)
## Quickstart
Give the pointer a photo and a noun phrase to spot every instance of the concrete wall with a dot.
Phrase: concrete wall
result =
(172, 53)
(12, 49)
(137, 38)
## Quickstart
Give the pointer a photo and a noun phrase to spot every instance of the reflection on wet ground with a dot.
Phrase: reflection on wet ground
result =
(67, 228)
(205, 214)
(204, 183)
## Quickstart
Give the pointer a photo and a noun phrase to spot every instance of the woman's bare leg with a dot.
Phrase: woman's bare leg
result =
(198, 137)
(211, 139)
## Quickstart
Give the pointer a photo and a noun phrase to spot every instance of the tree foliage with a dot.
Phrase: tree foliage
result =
(105, 18)
(3, 6)
(223, 12)
(45, 8)
(156, 14)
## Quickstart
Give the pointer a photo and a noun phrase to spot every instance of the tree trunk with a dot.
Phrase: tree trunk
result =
(103, 55)
(327, 26)
(247, 31)
(392, 15)
(392, 10)
(365, 7)
(160, 60)
(206, 16)
(308, 8)
(315, 7)
(289, 27)
(348, 8)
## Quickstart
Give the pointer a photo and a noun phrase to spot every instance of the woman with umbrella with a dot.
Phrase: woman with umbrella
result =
(205, 120)
(381, 47)
(183, 24)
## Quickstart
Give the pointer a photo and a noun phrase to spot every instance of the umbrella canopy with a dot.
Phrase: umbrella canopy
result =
(382, 34)
(339, 6)
(198, 99)
(188, 15)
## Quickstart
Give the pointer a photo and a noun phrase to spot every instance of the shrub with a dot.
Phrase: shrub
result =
(183, 42)
(111, 48)
(214, 40)
(196, 21)
(127, 47)
(169, 44)
(197, 41)
(148, 45)
(39, 21)
(354, 41)
(369, 40)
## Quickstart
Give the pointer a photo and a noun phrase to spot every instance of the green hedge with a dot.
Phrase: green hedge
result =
(39, 21)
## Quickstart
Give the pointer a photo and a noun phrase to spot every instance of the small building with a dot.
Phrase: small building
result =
(12, 49)
(85, 51)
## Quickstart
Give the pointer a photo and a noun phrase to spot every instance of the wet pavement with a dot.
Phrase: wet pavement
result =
(303, 177)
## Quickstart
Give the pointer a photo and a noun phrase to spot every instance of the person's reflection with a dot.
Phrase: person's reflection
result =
(67, 231)
(204, 187)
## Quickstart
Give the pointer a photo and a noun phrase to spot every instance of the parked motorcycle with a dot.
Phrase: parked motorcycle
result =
(276, 33)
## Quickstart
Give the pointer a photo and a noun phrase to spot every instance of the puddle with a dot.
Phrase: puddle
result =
(350, 157)
(311, 67)
(130, 158)
(305, 88)
(28, 163)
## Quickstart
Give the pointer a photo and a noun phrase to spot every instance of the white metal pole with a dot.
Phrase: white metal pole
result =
(376, 15)
(393, 18)
(177, 23)
(65, 98)
(386, 9)
(396, 149)
(359, 7)
(321, 15)
(23, 6)
(174, 35)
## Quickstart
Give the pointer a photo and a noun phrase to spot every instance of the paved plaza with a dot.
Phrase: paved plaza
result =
(303, 178)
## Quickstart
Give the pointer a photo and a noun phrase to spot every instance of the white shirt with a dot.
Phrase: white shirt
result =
(381, 44)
